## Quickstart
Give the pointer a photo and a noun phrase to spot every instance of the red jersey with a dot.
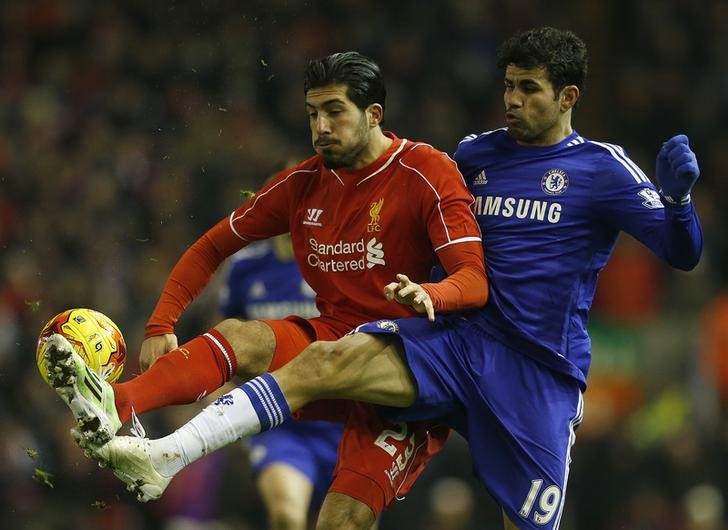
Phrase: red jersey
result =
(352, 231)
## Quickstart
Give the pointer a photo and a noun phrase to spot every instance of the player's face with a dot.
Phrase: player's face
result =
(339, 129)
(533, 111)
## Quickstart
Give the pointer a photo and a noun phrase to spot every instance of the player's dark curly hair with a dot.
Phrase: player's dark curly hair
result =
(562, 53)
(359, 73)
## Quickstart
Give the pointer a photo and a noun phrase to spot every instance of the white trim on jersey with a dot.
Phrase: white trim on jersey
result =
(387, 163)
(462, 177)
(618, 153)
(461, 240)
(409, 465)
(631, 162)
(442, 217)
(337, 176)
(572, 438)
(471, 137)
(576, 141)
(472, 202)
(439, 209)
(258, 196)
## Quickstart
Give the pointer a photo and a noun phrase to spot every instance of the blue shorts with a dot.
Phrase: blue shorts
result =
(518, 416)
(309, 446)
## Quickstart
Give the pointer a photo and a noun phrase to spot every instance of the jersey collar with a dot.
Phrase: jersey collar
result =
(360, 175)
(572, 139)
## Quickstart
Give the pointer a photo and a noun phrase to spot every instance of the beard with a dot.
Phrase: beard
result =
(348, 158)
(342, 160)
(522, 133)
(533, 131)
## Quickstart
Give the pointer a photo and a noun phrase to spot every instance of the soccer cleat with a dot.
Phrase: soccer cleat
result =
(90, 398)
(130, 458)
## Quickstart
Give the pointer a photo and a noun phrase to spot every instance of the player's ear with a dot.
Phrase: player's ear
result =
(568, 97)
(374, 113)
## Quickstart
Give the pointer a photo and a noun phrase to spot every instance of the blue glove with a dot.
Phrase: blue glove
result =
(677, 170)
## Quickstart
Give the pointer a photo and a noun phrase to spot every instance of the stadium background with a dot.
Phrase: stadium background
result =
(127, 128)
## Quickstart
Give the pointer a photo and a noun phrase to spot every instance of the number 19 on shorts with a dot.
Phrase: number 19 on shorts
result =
(548, 502)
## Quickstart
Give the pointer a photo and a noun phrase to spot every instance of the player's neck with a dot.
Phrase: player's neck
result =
(552, 136)
(378, 144)
(561, 133)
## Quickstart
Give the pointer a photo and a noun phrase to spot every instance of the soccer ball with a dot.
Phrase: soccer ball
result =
(94, 337)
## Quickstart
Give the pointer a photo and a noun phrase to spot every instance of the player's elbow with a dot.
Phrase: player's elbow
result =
(481, 290)
(475, 290)
(478, 297)
(685, 251)
(484, 294)
(686, 262)
(686, 266)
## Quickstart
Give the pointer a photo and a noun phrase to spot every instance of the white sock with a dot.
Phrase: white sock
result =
(228, 419)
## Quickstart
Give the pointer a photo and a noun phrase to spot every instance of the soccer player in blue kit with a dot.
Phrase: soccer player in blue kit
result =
(509, 377)
(292, 464)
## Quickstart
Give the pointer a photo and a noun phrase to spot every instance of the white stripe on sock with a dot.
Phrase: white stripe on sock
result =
(264, 400)
(270, 401)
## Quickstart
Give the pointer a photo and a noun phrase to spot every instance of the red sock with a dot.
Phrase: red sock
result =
(182, 376)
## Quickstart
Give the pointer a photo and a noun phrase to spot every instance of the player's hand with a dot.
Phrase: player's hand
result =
(410, 293)
(677, 170)
(154, 347)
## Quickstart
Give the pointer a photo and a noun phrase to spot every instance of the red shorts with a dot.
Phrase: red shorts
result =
(378, 461)
(293, 334)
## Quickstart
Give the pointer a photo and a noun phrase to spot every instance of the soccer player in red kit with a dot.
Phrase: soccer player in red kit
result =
(366, 210)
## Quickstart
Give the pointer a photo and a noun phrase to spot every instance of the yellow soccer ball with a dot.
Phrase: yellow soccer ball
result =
(93, 335)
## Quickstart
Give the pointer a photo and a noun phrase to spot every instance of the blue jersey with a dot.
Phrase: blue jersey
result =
(262, 286)
(550, 217)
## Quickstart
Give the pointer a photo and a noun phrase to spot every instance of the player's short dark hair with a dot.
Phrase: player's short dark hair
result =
(561, 51)
(360, 74)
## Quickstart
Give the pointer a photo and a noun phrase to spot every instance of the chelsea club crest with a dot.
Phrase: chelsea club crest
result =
(555, 182)
(388, 325)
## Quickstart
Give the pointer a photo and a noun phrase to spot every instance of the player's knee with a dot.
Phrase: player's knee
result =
(287, 516)
(508, 524)
(321, 359)
(347, 515)
(329, 361)
(253, 344)
(343, 522)
(347, 362)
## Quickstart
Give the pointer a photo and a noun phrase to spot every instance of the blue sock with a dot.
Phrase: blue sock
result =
(268, 401)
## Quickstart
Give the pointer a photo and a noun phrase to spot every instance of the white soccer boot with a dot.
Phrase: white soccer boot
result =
(90, 398)
(132, 461)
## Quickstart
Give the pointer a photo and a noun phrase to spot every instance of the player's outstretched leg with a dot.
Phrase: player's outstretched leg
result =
(90, 398)
(147, 466)
(138, 462)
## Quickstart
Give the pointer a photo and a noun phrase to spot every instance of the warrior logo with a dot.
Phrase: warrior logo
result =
(312, 216)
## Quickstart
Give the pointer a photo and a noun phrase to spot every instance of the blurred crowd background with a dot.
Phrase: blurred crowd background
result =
(128, 128)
